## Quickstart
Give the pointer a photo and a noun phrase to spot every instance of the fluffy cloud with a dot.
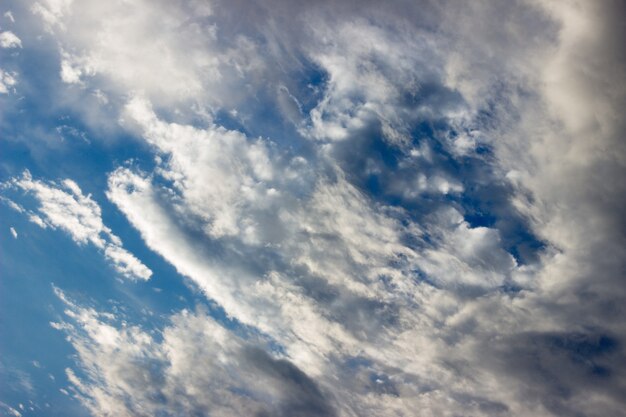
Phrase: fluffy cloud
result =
(9, 40)
(327, 274)
(64, 206)
(195, 366)
(100, 43)
(7, 81)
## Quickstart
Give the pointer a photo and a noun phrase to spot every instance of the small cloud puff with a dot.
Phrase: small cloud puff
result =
(7, 81)
(9, 40)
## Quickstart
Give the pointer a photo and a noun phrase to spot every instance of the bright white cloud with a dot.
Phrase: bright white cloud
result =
(137, 47)
(13, 232)
(52, 11)
(330, 240)
(234, 285)
(239, 173)
(7, 81)
(9, 40)
(369, 70)
(64, 206)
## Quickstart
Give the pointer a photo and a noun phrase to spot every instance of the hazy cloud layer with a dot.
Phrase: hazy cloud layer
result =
(410, 209)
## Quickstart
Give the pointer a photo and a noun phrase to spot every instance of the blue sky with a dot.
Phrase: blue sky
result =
(318, 209)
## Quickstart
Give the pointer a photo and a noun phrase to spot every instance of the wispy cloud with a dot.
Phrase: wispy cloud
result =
(197, 366)
(63, 206)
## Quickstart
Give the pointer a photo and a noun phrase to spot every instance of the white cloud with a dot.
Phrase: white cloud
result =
(253, 196)
(9, 40)
(235, 286)
(13, 232)
(12, 204)
(196, 366)
(37, 220)
(64, 206)
(369, 70)
(240, 172)
(558, 130)
(126, 263)
(72, 70)
(288, 250)
(8, 80)
(52, 11)
(138, 47)
(391, 299)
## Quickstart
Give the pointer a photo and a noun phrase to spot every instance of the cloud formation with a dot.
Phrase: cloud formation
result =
(7, 81)
(402, 209)
(194, 367)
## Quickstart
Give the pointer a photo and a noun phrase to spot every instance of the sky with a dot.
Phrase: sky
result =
(312, 208)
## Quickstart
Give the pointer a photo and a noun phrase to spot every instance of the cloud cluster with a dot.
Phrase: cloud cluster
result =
(194, 367)
(64, 206)
(8, 79)
(437, 227)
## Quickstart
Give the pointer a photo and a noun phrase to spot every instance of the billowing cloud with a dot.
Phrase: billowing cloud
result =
(195, 367)
(63, 206)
